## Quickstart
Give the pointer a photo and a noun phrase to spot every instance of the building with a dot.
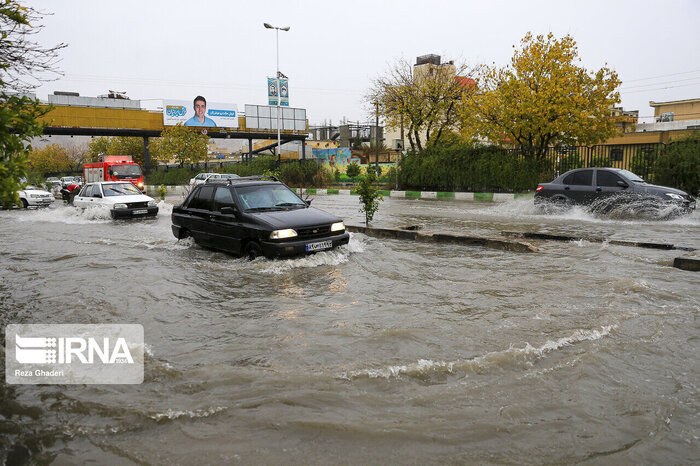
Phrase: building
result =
(348, 134)
(673, 115)
(625, 120)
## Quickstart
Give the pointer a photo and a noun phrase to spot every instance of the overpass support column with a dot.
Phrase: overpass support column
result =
(146, 155)
(303, 149)
(250, 149)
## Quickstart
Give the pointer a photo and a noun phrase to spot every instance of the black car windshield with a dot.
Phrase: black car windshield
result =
(120, 189)
(265, 197)
(631, 176)
(126, 171)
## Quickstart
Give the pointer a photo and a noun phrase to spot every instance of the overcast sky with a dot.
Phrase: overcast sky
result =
(177, 49)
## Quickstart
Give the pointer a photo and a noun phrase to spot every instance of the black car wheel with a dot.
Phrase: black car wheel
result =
(252, 250)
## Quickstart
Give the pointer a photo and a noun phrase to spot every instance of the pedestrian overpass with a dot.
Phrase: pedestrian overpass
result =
(72, 120)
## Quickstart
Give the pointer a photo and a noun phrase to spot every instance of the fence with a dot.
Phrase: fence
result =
(637, 158)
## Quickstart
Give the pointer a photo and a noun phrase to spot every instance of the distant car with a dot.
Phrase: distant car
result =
(34, 197)
(54, 184)
(66, 180)
(586, 186)
(207, 177)
(123, 199)
(254, 216)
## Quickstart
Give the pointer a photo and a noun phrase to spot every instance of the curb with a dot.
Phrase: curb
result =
(447, 195)
(439, 237)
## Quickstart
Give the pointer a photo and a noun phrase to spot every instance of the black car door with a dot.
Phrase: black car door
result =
(578, 186)
(607, 184)
(226, 230)
(196, 215)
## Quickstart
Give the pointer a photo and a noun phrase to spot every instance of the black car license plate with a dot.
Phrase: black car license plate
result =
(139, 212)
(320, 246)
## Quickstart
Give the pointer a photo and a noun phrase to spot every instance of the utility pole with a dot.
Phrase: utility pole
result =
(376, 139)
(279, 93)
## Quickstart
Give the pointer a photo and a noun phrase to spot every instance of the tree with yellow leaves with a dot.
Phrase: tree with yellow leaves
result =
(544, 98)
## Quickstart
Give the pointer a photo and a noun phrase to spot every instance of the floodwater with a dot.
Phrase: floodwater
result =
(383, 351)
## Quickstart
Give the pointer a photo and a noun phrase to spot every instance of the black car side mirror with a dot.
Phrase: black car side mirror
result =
(308, 202)
(622, 184)
(228, 211)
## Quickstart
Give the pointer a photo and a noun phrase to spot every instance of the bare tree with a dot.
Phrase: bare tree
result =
(24, 63)
(425, 104)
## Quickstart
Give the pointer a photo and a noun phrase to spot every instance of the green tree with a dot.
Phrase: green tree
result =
(118, 145)
(426, 104)
(369, 196)
(23, 64)
(98, 146)
(180, 143)
(543, 98)
(123, 145)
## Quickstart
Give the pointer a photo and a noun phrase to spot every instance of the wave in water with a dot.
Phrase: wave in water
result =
(335, 257)
(425, 367)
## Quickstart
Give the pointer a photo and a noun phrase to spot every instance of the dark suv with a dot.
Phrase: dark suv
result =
(608, 187)
(255, 216)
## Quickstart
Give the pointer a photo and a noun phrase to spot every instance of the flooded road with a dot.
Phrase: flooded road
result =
(381, 351)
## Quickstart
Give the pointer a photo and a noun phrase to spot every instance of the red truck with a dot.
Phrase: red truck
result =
(114, 168)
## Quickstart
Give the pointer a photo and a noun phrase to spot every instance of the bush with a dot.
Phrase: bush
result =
(678, 165)
(172, 176)
(352, 170)
(305, 173)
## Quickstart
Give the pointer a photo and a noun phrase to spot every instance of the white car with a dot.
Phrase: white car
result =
(123, 199)
(204, 177)
(34, 197)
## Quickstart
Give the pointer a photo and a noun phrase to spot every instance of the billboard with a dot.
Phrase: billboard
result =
(199, 112)
(272, 91)
(265, 117)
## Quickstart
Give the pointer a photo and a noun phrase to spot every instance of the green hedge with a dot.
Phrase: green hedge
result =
(459, 167)
(678, 165)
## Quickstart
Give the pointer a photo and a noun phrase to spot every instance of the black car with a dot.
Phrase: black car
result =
(607, 186)
(254, 216)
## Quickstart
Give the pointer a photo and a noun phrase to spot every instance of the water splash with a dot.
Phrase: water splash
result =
(191, 414)
(425, 367)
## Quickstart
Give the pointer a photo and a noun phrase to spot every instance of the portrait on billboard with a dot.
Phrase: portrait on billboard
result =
(199, 112)
(200, 117)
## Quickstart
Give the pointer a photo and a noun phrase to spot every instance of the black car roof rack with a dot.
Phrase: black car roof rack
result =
(243, 179)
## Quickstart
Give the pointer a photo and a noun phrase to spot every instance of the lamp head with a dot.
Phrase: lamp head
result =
(268, 26)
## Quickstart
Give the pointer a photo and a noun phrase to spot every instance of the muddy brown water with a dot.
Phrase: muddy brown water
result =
(384, 351)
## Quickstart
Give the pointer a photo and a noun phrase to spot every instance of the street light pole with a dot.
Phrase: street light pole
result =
(279, 93)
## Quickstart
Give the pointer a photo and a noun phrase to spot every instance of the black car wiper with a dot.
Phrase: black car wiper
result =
(289, 204)
(261, 208)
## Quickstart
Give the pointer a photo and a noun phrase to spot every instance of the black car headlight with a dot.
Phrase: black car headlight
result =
(283, 234)
(674, 196)
(338, 226)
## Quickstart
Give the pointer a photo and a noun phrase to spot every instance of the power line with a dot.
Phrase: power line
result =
(660, 83)
(662, 76)
(659, 88)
